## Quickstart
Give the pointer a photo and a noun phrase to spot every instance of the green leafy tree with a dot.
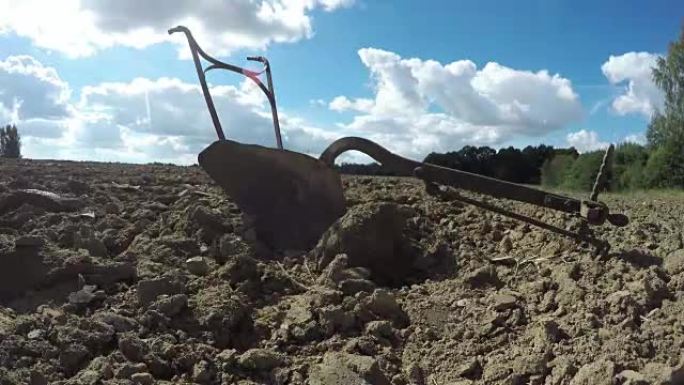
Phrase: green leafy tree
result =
(478, 160)
(449, 159)
(10, 142)
(554, 170)
(668, 75)
(536, 156)
(629, 162)
(665, 167)
(666, 130)
(512, 165)
(582, 173)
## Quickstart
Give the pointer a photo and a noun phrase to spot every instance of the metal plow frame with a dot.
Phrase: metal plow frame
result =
(293, 198)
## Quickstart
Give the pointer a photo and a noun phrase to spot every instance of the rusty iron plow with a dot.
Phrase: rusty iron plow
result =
(292, 198)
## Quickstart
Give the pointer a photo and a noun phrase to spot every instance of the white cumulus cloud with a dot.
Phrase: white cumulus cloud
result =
(143, 120)
(31, 90)
(82, 27)
(420, 105)
(34, 95)
(640, 95)
(585, 141)
(341, 103)
(635, 138)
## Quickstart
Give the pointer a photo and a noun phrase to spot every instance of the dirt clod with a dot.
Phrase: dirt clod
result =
(503, 301)
(600, 372)
(383, 305)
(119, 322)
(374, 236)
(260, 359)
(132, 348)
(343, 368)
(150, 289)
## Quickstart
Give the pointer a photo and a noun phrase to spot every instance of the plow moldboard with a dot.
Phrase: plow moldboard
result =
(292, 198)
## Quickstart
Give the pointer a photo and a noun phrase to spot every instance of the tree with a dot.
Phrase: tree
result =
(536, 156)
(554, 170)
(449, 159)
(665, 167)
(509, 163)
(628, 166)
(10, 142)
(512, 165)
(666, 130)
(478, 160)
(668, 75)
(582, 174)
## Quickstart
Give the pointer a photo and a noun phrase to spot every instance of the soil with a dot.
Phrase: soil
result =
(119, 274)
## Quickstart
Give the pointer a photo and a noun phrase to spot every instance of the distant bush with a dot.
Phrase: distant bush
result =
(10, 142)
(632, 168)
(477, 160)
(630, 178)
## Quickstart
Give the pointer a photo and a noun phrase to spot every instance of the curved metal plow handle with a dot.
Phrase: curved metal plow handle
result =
(595, 213)
(197, 51)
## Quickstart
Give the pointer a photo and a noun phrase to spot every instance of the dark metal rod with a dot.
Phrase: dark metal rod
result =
(499, 188)
(274, 109)
(271, 97)
(432, 189)
(203, 81)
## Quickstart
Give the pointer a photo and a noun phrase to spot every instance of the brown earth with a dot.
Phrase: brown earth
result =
(147, 274)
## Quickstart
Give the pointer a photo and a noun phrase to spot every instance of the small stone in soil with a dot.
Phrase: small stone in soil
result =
(503, 301)
(380, 329)
(142, 378)
(260, 359)
(197, 265)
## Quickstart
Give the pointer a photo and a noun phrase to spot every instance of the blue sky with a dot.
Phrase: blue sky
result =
(346, 68)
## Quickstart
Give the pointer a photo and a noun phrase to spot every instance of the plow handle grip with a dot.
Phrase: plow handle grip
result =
(197, 51)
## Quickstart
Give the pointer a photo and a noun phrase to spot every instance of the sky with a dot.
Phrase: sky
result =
(103, 80)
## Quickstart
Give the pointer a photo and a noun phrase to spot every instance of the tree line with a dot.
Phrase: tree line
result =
(510, 164)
